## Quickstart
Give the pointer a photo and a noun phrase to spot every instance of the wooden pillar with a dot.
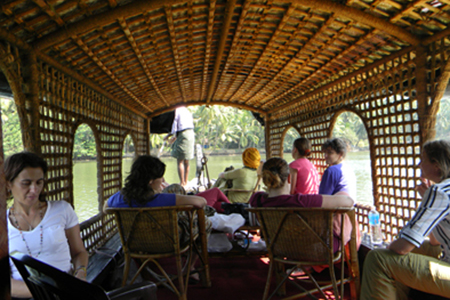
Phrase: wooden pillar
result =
(31, 105)
(267, 136)
(147, 136)
(4, 261)
(427, 122)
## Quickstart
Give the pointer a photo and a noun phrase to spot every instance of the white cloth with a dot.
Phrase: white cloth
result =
(55, 247)
(432, 216)
(183, 120)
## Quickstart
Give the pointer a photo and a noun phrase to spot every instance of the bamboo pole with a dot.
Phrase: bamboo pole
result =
(427, 122)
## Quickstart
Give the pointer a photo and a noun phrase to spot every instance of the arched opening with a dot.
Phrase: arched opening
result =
(349, 127)
(223, 133)
(128, 154)
(288, 142)
(12, 135)
(443, 118)
(85, 173)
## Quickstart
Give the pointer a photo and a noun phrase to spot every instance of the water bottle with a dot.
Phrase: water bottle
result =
(375, 229)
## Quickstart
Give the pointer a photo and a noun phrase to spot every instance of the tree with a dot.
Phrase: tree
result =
(349, 126)
(128, 147)
(443, 120)
(84, 145)
(12, 136)
(289, 138)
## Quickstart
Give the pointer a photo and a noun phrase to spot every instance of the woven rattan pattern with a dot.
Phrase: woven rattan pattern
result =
(112, 64)
(304, 237)
(151, 55)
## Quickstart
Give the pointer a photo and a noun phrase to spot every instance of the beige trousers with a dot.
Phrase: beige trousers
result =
(388, 275)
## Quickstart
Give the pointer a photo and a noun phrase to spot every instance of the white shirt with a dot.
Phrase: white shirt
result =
(55, 247)
(183, 120)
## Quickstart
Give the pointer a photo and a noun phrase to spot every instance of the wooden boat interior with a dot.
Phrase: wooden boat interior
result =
(116, 64)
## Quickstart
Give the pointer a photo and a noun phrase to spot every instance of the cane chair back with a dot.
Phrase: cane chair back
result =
(149, 234)
(48, 283)
(303, 237)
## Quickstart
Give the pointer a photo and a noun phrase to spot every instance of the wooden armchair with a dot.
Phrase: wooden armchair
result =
(47, 283)
(303, 237)
(149, 234)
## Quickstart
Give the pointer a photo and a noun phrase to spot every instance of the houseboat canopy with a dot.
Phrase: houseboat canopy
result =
(266, 56)
(117, 64)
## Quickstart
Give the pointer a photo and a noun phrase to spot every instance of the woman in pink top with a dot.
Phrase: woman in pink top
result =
(304, 176)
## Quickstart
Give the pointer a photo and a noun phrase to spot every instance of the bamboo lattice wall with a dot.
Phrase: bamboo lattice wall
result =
(384, 97)
(113, 64)
(66, 103)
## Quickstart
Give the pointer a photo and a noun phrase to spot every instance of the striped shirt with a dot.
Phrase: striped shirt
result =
(432, 216)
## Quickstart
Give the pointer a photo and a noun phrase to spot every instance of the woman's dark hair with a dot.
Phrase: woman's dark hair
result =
(303, 146)
(19, 161)
(275, 172)
(439, 152)
(144, 169)
(338, 145)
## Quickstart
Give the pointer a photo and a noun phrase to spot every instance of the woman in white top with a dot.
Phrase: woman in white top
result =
(47, 231)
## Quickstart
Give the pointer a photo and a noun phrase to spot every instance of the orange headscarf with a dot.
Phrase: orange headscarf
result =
(251, 158)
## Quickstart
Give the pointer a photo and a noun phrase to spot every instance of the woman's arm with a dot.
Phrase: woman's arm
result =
(77, 252)
(338, 200)
(196, 201)
(19, 289)
(293, 173)
(105, 206)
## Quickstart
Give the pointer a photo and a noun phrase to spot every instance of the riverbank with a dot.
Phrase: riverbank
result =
(207, 152)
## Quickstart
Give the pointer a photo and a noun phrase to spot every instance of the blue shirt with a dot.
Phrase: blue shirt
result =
(338, 178)
(117, 200)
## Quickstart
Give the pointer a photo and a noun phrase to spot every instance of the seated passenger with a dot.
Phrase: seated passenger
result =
(275, 175)
(390, 273)
(338, 177)
(242, 179)
(143, 187)
(304, 176)
(45, 230)
(214, 197)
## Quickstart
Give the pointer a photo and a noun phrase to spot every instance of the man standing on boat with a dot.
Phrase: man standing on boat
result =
(183, 141)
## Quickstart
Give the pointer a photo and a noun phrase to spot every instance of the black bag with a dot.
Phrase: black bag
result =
(236, 208)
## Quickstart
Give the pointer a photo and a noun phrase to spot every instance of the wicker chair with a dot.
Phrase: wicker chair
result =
(304, 237)
(47, 283)
(149, 234)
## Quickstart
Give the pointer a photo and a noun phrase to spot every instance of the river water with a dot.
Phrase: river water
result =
(85, 177)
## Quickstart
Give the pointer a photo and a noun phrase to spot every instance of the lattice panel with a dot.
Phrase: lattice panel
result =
(65, 103)
(384, 97)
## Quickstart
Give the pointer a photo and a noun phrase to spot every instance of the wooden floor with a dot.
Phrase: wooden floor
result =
(237, 275)
(234, 278)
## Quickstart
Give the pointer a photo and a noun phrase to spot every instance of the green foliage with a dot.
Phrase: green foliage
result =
(220, 127)
(12, 136)
(288, 142)
(350, 127)
(128, 147)
(443, 120)
(216, 128)
(84, 146)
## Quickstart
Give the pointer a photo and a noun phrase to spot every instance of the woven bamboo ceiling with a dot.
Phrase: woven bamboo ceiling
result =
(256, 54)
